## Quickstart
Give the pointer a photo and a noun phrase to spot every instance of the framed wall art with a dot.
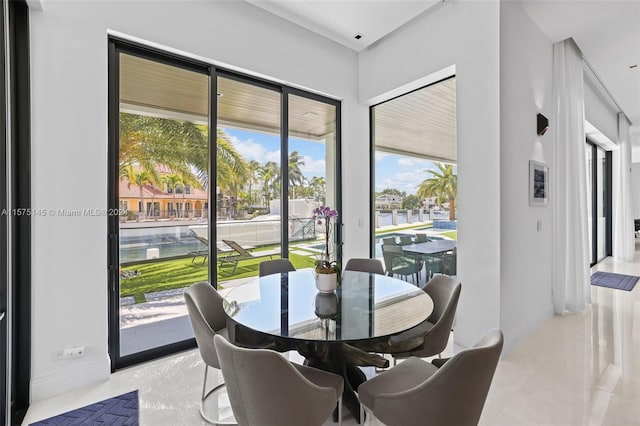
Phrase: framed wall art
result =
(538, 184)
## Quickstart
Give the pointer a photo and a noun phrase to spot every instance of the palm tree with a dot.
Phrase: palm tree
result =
(295, 174)
(319, 187)
(443, 185)
(141, 178)
(232, 168)
(173, 180)
(147, 143)
(269, 174)
(253, 168)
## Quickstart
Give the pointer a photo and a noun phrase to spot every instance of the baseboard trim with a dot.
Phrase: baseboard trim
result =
(525, 328)
(70, 378)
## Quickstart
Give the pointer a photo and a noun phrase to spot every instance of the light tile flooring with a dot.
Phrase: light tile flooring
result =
(581, 369)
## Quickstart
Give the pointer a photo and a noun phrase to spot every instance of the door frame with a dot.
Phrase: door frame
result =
(117, 45)
(15, 256)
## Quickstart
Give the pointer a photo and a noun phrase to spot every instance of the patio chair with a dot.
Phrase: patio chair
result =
(449, 261)
(405, 240)
(422, 238)
(398, 263)
(242, 254)
(204, 253)
(389, 241)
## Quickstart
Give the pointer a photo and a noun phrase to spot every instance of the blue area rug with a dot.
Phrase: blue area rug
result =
(119, 410)
(617, 281)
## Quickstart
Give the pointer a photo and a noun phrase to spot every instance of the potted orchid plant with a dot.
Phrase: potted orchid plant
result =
(327, 268)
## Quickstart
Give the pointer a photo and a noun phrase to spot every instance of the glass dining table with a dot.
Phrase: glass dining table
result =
(334, 331)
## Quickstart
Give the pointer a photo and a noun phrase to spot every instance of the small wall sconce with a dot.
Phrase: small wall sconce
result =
(543, 124)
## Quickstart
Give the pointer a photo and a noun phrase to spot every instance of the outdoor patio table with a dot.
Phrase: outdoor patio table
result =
(333, 331)
(434, 248)
(430, 248)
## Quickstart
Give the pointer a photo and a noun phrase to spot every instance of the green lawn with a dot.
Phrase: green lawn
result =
(402, 228)
(177, 273)
(451, 234)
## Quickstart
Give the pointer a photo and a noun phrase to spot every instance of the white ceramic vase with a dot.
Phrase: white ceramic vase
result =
(326, 283)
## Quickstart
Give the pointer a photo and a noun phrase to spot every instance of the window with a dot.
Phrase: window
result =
(263, 197)
(414, 171)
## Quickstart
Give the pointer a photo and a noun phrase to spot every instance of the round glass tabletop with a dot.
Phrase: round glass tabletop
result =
(364, 306)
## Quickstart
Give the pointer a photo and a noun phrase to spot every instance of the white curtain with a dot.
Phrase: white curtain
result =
(571, 278)
(623, 228)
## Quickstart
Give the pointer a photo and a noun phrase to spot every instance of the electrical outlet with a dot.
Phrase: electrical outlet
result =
(75, 352)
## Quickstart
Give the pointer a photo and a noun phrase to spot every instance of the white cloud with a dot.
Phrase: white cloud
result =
(403, 181)
(406, 162)
(251, 150)
(315, 167)
(381, 156)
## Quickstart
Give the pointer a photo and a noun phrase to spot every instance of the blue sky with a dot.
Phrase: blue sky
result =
(392, 171)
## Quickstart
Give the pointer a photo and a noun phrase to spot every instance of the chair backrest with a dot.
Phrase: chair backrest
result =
(388, 253)
(265, 389)
(389, 241)
(275, 266)
(405, 240)
(453, 396)
(206, 313)
(449, 262)
(202, 240)
(445, 293)
(421, 238)
(365, 265)
(237, 247)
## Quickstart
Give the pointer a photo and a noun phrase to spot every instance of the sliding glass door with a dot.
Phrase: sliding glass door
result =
(313, 172)
(211, 172)
(159, 197)
(599, 191)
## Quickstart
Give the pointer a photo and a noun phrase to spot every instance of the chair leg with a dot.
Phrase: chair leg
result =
(340, 411)
(206, 394)
(362, 418)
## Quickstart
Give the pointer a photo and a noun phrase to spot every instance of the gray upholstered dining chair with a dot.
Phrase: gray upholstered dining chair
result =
(365, 265)
(266, 389)
(275, 266)
(417, 393)
(445, 293)
(206, 313)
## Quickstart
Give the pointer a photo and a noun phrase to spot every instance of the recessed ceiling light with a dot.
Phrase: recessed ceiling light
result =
(358, 36)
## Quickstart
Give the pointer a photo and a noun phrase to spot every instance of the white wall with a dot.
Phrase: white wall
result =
(465, 35)
(635, 190)
(598, 109)
(526, 57)
(69, 147)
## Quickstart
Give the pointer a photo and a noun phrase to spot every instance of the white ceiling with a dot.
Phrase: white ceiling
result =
(607, 31)
(341, 20)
